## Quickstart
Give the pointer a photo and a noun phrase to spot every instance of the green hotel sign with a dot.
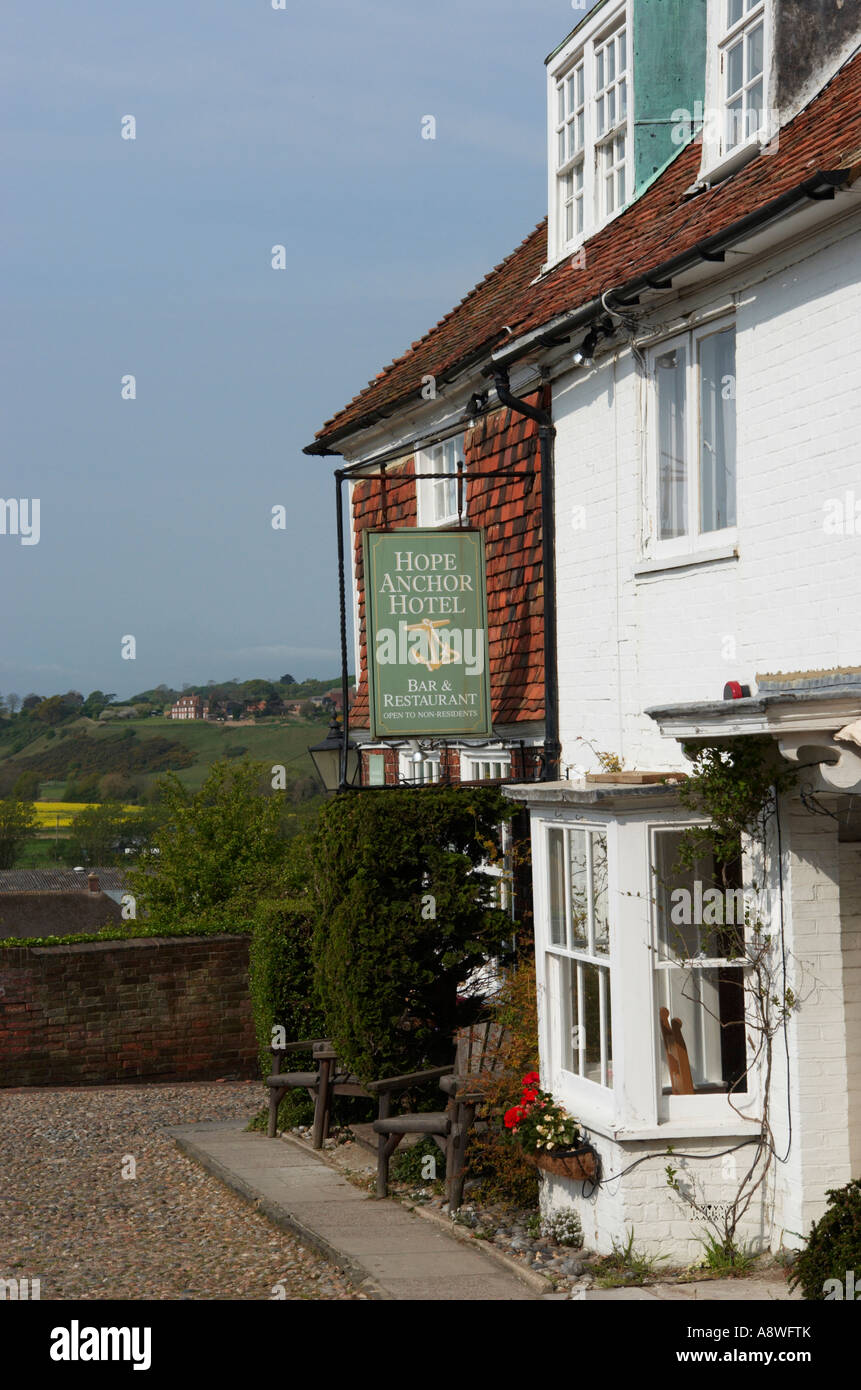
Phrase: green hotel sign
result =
(426, 613)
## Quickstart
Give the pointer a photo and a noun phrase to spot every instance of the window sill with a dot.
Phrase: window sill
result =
(689, 560)
(671, 1130)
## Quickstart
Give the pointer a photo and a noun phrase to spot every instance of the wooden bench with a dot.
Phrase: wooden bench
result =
(322, 1084)
(480, 1054)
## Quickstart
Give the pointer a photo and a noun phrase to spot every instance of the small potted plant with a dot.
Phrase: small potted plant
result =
(551, 1139)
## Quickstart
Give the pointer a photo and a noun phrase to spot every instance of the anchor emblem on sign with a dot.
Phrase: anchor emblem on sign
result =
(439, 650)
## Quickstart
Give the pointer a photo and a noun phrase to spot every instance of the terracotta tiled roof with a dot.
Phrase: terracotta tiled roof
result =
(660, 225)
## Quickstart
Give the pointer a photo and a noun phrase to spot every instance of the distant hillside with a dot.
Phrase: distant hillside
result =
(146, 748)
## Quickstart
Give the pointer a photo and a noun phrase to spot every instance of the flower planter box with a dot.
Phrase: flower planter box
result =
(579, 1165)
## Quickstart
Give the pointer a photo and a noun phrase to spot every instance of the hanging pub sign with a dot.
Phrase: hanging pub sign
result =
(426, 616)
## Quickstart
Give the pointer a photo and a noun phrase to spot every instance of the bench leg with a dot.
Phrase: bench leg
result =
(456, 1155)
(321, 1109)
(385, 1149)
(276, 1095)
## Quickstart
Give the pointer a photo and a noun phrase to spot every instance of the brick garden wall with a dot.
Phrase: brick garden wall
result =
(156, 1008)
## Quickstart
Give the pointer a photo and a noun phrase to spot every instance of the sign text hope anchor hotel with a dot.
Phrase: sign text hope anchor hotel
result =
(426, 616)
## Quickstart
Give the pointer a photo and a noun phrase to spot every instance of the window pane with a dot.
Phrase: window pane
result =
(717, 431)
(600, 895)
(670, 371)
(586, 1013)
(578, 848)
(754, 52)
(556, 857)
(600, 115)
(611, 62)
(560, 153)
(581, 130)
(735, 8)
(599, 83)
(623, 51)
(560, 108)
(754, 109)
(611, 107)
(620, 182)
(581, 96)
(705, 1009)
(623, 98)
(734, 123)
(735, 68)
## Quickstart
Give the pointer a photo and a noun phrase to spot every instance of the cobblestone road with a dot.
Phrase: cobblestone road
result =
(70, 1218)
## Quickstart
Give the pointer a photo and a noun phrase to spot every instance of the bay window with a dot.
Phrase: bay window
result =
(641, 968)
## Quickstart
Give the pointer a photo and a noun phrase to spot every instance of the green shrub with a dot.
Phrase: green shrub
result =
(833, 1246)
(281, 977)
(408, 1163)
(403, 913)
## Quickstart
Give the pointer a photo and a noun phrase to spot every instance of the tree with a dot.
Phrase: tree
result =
(288, 680)
(218, 848)
(99, 835)
(13, 702)
(26, 787)
(31, 701)
(17, 824)
(50, 711)
(95, 702)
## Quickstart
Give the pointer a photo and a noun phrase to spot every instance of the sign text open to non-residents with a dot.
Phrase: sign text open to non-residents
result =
(426, 606)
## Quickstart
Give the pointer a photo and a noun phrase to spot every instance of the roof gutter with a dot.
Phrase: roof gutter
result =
(820, 187)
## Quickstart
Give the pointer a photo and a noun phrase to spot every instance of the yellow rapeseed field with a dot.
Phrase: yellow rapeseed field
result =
(47, 812)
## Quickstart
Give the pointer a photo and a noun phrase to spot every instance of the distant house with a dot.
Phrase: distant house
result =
(36, 903)
(190, 707)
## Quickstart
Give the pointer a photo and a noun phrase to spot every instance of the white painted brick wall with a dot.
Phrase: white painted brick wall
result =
(791, 602)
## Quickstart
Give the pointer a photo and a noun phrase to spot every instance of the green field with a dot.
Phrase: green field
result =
(270, 742)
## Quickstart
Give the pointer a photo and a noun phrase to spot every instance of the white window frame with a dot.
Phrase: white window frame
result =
(588, 202)
(694, 540)
(481, 764)
(635, 1108)
(583, 1097)
(719, 157)
(419, 771)
(704, 1105)
(437, 497)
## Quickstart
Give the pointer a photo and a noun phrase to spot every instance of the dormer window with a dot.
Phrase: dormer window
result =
(739, 118)
(742, 66)
(611, 121)
(590, 138)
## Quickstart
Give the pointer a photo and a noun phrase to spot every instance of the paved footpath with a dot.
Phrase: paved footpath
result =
(386, 1249)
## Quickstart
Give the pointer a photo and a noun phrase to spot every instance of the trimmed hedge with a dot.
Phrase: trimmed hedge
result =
(404, 911)
(281, 975)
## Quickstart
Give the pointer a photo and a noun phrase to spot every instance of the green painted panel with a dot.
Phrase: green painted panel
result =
(669, 46)
(426, 609)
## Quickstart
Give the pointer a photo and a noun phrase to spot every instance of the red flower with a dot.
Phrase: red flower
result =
(531, 1078)
(530, 1097)
(513, 1117)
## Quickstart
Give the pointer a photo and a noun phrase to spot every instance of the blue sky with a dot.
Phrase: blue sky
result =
(151, 257)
